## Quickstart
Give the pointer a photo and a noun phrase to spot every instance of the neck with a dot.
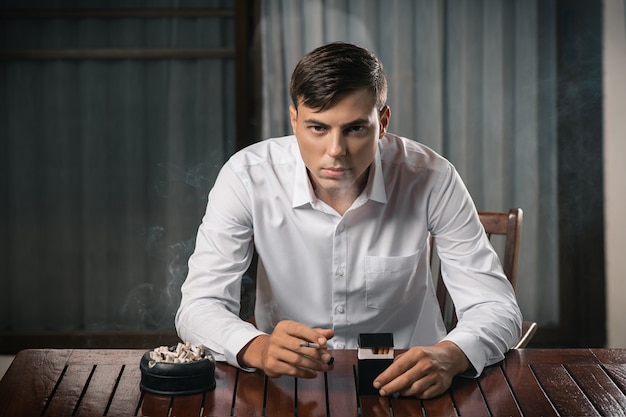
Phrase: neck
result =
(340, 199)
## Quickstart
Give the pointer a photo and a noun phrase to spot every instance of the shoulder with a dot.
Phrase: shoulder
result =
(272, 151)
(400, 152)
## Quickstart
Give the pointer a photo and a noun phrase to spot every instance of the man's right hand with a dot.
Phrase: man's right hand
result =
(280, 353)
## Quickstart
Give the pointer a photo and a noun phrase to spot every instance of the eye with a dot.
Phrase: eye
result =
(356, 130)
(318, 129)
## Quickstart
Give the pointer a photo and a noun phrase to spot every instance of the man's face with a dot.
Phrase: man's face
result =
(339, 144)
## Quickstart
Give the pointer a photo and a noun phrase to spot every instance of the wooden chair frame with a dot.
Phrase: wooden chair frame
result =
(508, 225)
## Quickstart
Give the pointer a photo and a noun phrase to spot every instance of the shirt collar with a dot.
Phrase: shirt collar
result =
(376, 182)
(303, 190)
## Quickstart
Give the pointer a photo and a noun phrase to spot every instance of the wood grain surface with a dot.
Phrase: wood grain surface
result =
(529, 382)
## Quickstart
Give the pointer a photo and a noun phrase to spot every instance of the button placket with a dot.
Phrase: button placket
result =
(339, 260)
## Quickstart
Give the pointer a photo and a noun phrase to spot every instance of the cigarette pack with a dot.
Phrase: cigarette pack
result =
(375, 354)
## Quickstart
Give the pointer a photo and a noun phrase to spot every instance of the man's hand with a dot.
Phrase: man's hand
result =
(281, 354)
(425, 371)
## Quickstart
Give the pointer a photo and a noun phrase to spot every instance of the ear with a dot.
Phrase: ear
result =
(293, 117)
(383, 117)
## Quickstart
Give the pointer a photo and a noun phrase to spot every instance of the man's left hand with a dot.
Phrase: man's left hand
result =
(423, 371)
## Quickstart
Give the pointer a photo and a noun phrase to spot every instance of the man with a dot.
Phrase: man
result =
(341, 213)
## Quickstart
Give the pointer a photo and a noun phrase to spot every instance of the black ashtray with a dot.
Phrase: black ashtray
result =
(187, 378)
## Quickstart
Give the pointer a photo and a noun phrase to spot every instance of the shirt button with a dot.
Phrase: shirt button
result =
(339, 272)
(340, 309)
(341, 227)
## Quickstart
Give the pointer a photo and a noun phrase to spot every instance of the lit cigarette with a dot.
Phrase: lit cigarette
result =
(316, 346)
(311, 345)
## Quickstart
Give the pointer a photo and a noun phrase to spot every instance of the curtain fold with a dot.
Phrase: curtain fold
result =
(475, 80)
(107, 165)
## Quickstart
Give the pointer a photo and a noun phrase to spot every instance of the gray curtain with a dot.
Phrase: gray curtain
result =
(106, 166)
(473, 79)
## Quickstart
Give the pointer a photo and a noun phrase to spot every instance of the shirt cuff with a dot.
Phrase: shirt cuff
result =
(238, 342)
(470, 345)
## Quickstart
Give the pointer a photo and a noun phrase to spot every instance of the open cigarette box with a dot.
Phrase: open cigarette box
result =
(375, 354)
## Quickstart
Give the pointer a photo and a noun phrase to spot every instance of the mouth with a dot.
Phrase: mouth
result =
(335, 172)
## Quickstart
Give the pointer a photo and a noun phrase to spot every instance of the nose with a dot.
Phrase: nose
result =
(337, 145)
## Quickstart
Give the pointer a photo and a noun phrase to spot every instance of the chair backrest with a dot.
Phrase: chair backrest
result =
(508, 225)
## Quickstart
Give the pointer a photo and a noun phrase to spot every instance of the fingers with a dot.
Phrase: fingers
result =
(300, 332)
(402, 376)
(297, 350)
(314, 350)
(411, 384)
(397, 372)
(285, 362)
(427, 387)
(418, 372)
(327, 333)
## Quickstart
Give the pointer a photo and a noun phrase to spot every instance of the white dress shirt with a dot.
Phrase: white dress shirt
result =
(364, 272)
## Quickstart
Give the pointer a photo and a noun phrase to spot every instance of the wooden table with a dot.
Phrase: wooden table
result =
(106, 382)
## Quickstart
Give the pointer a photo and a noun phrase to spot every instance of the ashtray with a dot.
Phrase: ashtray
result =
(184, 377)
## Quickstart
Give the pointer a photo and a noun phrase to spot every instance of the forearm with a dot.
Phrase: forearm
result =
(485, 336)
(251, 355)
(456, 362)
(223, 332)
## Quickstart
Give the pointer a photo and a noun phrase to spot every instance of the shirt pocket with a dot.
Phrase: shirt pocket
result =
(387, 279)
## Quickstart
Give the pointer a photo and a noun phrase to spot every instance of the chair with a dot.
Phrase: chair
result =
(508, 225)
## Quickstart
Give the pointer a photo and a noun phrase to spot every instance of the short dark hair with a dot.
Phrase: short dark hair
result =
(332, 71)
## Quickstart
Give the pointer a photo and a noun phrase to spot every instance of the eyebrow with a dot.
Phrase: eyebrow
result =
(343, 126)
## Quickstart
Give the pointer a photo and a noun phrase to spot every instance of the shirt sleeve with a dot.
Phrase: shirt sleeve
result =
(209, 309)
(489, 319)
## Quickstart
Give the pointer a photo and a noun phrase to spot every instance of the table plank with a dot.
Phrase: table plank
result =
(131, 357)
(118, 370)
(407, 407)
(618, 374)
(99, 391)
(375, 406)
(68, 393)
(530, 395)
(249, 394)
(610, 356)
(187, 405)
(550, 356)
(342, 395)
(154, 405)
(600, 388)
(468, 397)
(441, 405)
(563, 391)
(279, 396)
(219, 402)
(500, 400)
(127, 396)
(311, 396)
(29, 381)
